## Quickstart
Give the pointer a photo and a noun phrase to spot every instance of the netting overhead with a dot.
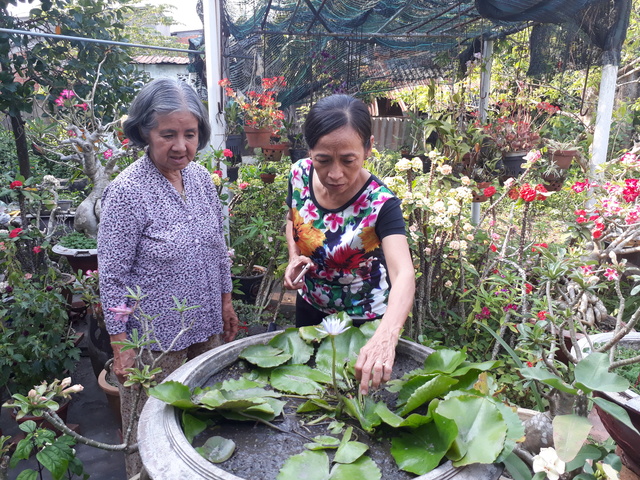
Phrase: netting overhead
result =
(366, 46)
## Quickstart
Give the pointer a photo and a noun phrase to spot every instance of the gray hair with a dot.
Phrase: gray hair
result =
(164, 96)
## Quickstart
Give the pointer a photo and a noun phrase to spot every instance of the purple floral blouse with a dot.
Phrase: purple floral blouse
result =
(150, 237)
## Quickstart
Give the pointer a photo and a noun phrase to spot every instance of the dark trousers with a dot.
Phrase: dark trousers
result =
(307, 315)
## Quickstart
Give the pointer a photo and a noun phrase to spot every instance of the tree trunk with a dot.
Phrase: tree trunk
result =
(17, 125)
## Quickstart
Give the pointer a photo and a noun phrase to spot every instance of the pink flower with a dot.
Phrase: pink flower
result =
(333, 221)
(59, 101)
(15, 232)
(71, 133)
(67, 94)
(533, 156)
(586, 270)
(28, 276)
(218, 172)
(580, 186)
(107, 154)
(611, 274)
(243, 185)
(37, 249)
(122, 313)
(489, 191)
(83, 106)
(227, 153)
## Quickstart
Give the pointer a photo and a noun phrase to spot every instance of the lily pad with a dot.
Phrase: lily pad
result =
(265, 356)
(314, 464)
(290, 343)
(299, 379)
(217, 449)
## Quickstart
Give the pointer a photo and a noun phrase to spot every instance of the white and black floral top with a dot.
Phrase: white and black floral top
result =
(150, 237)
(345, 244)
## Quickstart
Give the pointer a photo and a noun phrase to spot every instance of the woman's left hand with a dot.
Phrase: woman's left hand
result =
(375, 361)
(229, 319)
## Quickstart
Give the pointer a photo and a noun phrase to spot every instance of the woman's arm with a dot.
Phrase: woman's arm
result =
(296, 261)
(375, 360)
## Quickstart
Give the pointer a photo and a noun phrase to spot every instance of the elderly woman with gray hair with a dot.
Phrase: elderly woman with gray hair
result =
(161, 230)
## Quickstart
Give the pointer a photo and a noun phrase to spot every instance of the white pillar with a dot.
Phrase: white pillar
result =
(606, 99)
(213, 61)
(483, 106)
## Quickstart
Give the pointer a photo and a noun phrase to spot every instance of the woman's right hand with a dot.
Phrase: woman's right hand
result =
(294, 269)
(122, 360)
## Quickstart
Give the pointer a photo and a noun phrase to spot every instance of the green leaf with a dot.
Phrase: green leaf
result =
(322, 442)
(423, 389)
(363, 468)
(422, 449)
(290, 343)
(348, 344)
(569, 434)
(544, 376)
(242, 383)
(192, 426)
(587, 452)
(27, 475)
(313, 405)
(387, 416)
(265, 356)
(315, 465)
(516, 467)
(365, 414)
(592, 373)
(481, 429)
(54, 460)
(173, 393)
(444, 361)
(515, 429)
(299, 379)
(217, 449)
(616, 411)
(349, 452)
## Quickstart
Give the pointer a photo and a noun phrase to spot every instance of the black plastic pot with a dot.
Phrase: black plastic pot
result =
(298, 154)
(249, 286)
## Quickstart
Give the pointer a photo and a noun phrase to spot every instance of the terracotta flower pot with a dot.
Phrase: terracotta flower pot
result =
(267, 177)
(563, 158)
(257, 137)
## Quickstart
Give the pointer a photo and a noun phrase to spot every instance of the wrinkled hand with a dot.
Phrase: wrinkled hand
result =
(293, 271)
(122, 360)
(230, 322)
(375, 361)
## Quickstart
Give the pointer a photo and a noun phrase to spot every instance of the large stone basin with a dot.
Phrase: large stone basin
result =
(167, 455)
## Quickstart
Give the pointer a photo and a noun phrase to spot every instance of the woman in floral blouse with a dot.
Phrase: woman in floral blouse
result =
(347, 226)
(161, 230)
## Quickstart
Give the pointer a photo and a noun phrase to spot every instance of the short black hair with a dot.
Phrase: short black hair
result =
(334, 112)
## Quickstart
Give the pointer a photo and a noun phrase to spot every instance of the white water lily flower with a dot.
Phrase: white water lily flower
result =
(547, 461)
(333, 326)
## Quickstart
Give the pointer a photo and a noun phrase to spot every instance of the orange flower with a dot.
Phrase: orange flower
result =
(307, 237)
(344, 259)
(370, 240)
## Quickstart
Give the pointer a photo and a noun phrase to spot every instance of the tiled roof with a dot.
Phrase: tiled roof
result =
(160, 59)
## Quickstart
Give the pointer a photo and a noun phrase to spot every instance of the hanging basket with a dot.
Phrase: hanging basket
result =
(563, 158)
(273, 153)
(257, 138)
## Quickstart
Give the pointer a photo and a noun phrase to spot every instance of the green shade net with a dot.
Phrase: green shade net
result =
(369, 46)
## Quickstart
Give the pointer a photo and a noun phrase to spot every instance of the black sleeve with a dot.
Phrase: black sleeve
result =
(289, 198)
(390, 220)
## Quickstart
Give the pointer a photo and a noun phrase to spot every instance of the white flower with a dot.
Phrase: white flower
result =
(454, 245)
(466, 181)
(467, 227)
(454, 209)
(448, 284)
(403, 164)
(547, 461)
(433, 154)
(439, 207)
(609, 471)
(333, 326)
(444, 169)
(416, 164)
(470, 237)
(509, 181)
(463, 245)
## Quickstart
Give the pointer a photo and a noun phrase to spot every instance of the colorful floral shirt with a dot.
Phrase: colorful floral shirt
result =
(345, 244)
(150, 237)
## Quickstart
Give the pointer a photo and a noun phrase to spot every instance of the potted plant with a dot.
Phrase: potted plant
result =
(268, 173)
(260, 110)
(293, 128)
(233, 129)
(80, 250)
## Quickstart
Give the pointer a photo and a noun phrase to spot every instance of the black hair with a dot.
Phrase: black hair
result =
(164, 96)
(334, 112)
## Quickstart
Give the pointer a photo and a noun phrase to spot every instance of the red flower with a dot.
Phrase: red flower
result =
(37, 249)
(489, 191)
(227, 153)
(530, 364)
(218, 172)
(514, 194)
(541, 192)
(15, 184)
(541, 245)
(493, 248)
(542, 315)
(580, 186)
(15, 232)
(527, 193)
(528, 288)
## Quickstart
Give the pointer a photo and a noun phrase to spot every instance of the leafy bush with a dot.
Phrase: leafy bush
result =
(79, 241)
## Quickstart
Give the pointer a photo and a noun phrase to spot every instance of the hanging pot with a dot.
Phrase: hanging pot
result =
(563, 158)
(267, 177)
(257, 137)
(273, 153)
(234, 143)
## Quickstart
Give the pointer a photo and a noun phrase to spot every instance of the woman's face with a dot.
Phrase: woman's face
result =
(174, 141)
(337, 160)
